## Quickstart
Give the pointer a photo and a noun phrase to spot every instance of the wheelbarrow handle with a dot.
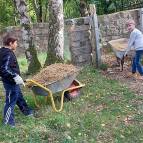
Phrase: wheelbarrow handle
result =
(28, 82)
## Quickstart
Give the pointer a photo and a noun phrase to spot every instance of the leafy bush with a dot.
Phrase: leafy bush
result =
(103, 67)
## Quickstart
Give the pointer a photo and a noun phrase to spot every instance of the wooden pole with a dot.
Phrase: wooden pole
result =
(96, 55)
(141, 19)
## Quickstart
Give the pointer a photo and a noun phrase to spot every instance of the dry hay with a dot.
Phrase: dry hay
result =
(54, 73)
(119, 44)
(119, 47)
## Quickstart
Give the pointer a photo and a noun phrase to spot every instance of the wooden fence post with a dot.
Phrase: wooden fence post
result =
(141, 19)
(96, 55)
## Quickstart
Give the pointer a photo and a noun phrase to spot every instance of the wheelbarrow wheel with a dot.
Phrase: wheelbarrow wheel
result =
(70, 95)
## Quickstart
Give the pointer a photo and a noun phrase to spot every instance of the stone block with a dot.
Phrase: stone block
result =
(87, 20)
(75, 44)
(81, 28)
(81, 60)
(81, 50)
(69, 22)
(75, 36)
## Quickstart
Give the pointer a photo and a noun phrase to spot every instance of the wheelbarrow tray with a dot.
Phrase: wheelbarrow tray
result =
(119, 46)
(55, 86)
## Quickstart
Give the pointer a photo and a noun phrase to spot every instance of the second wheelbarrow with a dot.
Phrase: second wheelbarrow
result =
(119, 46)
(68, 86)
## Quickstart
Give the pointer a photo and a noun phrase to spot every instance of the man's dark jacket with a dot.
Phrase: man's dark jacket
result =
(9, 67)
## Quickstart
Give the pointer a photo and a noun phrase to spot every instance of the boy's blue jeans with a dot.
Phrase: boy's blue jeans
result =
(136, 63)
(13, 96)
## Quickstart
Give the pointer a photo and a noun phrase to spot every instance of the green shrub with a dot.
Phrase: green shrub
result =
(103, 66)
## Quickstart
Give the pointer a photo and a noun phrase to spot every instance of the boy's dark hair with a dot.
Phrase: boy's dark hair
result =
(8, 39)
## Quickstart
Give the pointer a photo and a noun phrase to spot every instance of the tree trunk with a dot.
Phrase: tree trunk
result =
(41, 11)
(30, 50)
(56, 32)
(38, 10)
(83, 8)
(45, 12)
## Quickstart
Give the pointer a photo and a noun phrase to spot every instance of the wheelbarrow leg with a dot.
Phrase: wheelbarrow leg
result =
(53, 102)
(36, 102)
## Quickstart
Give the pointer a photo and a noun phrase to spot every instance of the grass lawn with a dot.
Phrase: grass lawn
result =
(23, 63)
(106, 112)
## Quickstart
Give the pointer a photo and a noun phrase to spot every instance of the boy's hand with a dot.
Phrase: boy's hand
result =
(19, 80)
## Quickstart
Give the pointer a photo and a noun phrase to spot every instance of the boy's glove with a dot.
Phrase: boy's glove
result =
(19, 80)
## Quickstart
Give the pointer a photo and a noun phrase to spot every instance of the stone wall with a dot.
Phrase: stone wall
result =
(77, 34)
(40, 32)
(113, 26)
(79, 40)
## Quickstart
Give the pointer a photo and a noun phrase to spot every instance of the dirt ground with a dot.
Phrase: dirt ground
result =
(113, 72)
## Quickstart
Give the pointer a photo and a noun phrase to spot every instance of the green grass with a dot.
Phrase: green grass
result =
(97, 116)
(23, 62)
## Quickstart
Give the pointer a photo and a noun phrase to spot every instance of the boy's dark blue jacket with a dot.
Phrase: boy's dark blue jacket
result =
(9, 67)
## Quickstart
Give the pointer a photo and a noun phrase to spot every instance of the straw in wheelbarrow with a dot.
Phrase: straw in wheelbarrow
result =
(119, 46)
(54, 73)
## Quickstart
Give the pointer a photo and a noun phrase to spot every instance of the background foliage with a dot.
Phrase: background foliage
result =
(9, 16)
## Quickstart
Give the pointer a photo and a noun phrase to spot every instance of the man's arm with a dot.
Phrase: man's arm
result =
(131, 42)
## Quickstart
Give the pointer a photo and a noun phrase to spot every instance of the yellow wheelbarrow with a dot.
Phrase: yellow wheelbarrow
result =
(68, 86)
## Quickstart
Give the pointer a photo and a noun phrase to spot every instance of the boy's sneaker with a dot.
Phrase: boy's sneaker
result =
(130, 75)
(139, 77)
(28, 112)
(12, 125)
